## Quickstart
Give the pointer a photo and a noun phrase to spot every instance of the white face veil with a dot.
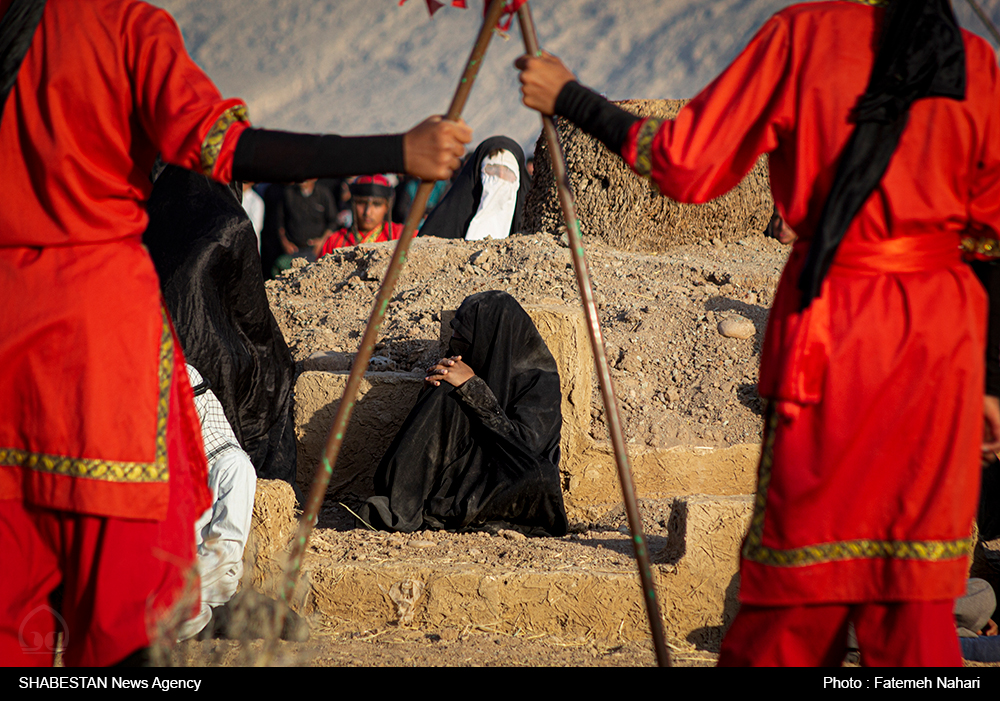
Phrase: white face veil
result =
(501, 178)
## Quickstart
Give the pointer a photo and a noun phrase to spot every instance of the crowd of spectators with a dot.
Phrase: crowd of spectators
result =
(304, 220)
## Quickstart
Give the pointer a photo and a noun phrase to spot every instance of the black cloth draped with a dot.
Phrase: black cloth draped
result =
(451, 218)
(486, 451)
(17, 29)
(921, 54)
(205, 252)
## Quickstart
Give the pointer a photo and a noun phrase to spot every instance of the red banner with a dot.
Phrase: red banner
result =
(509, 9)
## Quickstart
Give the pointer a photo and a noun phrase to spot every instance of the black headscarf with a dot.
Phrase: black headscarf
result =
(498, 340)
(451, 218)
(488, 450)
(17, 29)
(921, 54)
(205, 252)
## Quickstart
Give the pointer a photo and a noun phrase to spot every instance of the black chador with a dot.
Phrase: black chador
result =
(205, 252)
(487, 451)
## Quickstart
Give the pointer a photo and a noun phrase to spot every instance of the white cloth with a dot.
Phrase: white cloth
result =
(222, 531)
(500, 177)
(254, 206)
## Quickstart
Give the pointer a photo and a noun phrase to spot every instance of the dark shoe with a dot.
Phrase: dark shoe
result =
(251, 616)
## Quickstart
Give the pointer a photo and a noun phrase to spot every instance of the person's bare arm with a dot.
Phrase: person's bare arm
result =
(286, 245)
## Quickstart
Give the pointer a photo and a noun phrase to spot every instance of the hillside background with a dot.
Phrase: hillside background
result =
(364, 66)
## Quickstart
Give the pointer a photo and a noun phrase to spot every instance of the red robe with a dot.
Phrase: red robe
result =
(869, 476)
(86, 359)
(389, 231)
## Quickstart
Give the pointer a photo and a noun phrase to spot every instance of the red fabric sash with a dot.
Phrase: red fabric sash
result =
(797, 347)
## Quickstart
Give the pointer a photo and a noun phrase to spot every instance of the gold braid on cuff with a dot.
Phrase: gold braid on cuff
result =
(216, 135)
(644, 146)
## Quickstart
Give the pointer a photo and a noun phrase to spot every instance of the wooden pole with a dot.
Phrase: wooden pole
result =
(992, 28)
(600, 358)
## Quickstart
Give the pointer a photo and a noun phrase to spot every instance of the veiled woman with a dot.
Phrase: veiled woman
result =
(487, 198)
(482, 442)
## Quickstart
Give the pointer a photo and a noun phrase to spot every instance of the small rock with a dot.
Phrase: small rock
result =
(422, 544)
(511, 535)
(328, 361)
(380, 363)
(480, 258)
(737, 327)
(299, 262)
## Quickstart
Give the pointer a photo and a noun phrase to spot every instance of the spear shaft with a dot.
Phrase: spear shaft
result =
(335, 438)
(985, 20)
(600, 358)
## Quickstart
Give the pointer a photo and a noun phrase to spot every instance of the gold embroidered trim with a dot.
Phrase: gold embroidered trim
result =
(104, 470)
(107, 470)
(873, 3)
(756, 551)
(166, 377)
(213, 141)
(926, 550)
(986, 248)
(644, 146)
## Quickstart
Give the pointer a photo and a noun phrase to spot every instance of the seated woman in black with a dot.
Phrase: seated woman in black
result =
(482, 443)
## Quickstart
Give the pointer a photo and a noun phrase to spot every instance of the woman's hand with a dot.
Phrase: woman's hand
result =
(451, 370)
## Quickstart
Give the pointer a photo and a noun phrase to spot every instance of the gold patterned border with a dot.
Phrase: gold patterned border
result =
(755, 551)
(873, 3)
(644, 145)
(983, 247)
(213, 141)
(107, 470)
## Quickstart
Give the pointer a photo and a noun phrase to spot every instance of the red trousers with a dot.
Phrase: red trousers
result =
(902, 634)
(125, 581)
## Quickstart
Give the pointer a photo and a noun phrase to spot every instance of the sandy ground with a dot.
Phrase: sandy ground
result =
(679, 379)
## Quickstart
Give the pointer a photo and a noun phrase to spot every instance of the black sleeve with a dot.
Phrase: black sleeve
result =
(479, 398)
(269, 156)
(595, 115)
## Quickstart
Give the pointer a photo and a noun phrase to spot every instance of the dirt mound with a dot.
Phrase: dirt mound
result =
(271, 529)
(626, 211)
(678, 379)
